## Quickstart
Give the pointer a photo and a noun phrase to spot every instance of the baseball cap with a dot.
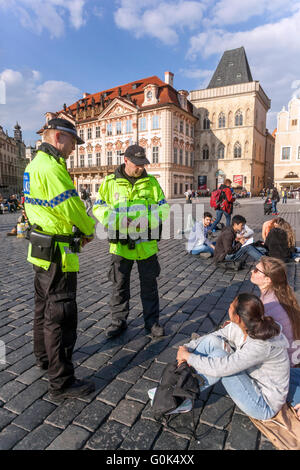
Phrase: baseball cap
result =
(65, 126)
(136, 155)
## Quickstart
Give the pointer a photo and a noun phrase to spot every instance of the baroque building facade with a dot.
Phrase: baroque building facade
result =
(149, 112)
(287, 147)
(12, 161)
(193, 141)
(231, 139)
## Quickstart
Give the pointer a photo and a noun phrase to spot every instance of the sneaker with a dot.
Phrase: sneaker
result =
(194, 336)
(156, 331)
(78, 389)
(116, 329)
(205, 255)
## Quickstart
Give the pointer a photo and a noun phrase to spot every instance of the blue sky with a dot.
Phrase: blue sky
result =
(52, 51)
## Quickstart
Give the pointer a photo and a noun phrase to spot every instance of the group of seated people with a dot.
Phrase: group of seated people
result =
(11, 203)
(254, 354)
(236, 241)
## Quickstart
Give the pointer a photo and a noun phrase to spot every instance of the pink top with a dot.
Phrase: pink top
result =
(275, 310)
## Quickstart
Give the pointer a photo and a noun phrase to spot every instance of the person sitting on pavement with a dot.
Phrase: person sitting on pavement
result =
(280, 302)
(229, 247)
(198, 243)
(280, 241)
(22, 219)
(249, 356)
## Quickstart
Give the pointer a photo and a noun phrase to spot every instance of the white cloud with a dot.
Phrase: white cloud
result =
(201, 76)
(39, 15)
(158, 19)
(272, 50)
(227, 12)
(28, 98)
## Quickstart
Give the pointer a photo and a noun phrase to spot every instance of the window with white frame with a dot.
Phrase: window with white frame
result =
(187, 129)
(119, 157)
(192, 158)
(286, 153)
(119, 128)
(89, 133)
(220, 152)
(155, 122)
(90, 159)
(98, 132)
(186, 158)
(180, 157)
(81, 160)
(97, 186)
(238, 120)
(98, 158)
(181, 126)
(81, 134)
(155, 151)
(175, 188)
(221, 120)
(109, 158)
(205, 152)
(109, 129)
(71, 161)
(142, 124)
(128, 126)
(298, 153)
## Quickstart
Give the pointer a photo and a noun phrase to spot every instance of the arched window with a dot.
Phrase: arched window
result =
(221, 152)
(238, 118)
(237, 150)
(206, 122)
(205, 152)
(221, 120)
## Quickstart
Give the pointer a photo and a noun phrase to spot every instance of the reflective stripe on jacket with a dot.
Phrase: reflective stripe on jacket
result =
(52, 202)
(118, 198)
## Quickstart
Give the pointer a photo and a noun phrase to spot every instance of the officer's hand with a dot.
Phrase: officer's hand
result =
(142, 224)
(125, 222)
(85, 240)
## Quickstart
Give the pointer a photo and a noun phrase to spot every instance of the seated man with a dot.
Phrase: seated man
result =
(229, 247)
(198, 242)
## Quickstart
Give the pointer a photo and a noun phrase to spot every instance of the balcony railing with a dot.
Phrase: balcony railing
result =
(95, 168)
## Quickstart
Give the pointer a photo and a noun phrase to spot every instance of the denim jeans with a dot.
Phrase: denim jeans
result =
(274, 206)
(219, 214)
(240, 387)
(294, 389)
(202, 249)
(255, 253)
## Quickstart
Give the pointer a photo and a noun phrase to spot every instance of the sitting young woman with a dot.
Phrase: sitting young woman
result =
(279, 239)
(249, 356)
(280, 303)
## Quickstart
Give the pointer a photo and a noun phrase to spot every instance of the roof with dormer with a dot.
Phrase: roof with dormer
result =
(132, 92)
(232, 69)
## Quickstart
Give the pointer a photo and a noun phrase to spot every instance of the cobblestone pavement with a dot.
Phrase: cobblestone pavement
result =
(194, 297)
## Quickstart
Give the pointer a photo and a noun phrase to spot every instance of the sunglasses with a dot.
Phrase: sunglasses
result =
(256, 270)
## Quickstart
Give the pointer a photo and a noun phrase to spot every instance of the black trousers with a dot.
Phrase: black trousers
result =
(55, 323)
(119, 274)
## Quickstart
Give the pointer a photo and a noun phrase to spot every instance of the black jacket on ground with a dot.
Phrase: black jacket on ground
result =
(226, 244)
(277, 244)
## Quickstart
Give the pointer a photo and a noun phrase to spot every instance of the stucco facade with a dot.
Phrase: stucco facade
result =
(231, 136)
(287, 147)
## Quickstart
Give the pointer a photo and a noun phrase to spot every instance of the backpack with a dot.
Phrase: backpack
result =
(177, 384)
(283, 431)
(216, 198)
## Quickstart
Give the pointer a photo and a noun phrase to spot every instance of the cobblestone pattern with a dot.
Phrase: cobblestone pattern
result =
(194, 297)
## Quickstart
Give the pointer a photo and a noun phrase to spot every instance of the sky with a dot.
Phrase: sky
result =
(52, 51)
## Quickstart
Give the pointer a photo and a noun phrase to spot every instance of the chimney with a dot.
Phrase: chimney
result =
(85, 95)
(169, 78)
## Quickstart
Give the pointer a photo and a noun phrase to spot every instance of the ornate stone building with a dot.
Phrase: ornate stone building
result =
(287, 147)
(148, 111)
(231, 139)
(12, 161)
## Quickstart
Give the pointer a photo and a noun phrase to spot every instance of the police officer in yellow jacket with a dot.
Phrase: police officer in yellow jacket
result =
(132, 207)
(59, 227)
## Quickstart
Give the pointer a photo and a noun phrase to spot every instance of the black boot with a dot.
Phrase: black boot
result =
(115, 329)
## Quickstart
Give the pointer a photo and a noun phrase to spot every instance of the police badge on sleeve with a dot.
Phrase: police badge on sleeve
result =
(26, 183)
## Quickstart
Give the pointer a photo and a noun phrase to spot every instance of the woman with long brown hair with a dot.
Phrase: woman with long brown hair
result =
(280, 303)
(248, 355)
